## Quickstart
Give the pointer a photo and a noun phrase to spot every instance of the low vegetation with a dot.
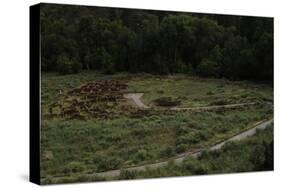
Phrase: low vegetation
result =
(167, 102)
(189, 91)
(73, 146)
(252, 154)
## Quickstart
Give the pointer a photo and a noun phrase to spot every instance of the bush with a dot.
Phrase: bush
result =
(48, 180)
(142, 155)
(73, 167)
(219, 102)
(203, 135)
(181, 140)
(141, 132)
(108, 164)
(221, 128)
(168, 152)
(181, 67)
(160, 91)
(260, 155)
(107, 64)
(94, 59)
(192, 137)
(68, 66)
(126, 174)
(76, 66)
(210, 93)
(182, 130)
(269, 162)
(207, 68)
(181, 148)
(194, 166)
(167, 101)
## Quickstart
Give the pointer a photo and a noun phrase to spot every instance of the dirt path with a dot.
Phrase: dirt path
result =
(214, 107)
(178, 159)
(136, 98)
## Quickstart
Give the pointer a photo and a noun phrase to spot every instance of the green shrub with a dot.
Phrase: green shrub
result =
(68, 66)
(107, 64)
(48, 180)
(207, 68)
(109, 163)
(142, 155)
(210, 93)
(181, 67)
(73, 167)
(193, 138)
(167, 101)
(181, 140)
(203, 135)
(181, 148)
(82, 178)
(140, 132)
(182, 130)
(70, 179)
(194, 166)
(168, 152)
(127, 174)
(268, 163)
(221, 128)
(260, 154)
(160, 91)
(76, 66)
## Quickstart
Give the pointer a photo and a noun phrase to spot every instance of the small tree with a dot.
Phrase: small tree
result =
(73, 167)
(68, 66)
(76, 66)
(107, 63)
(181, 148)
(207, 68)
(64, 65)
(168, 152)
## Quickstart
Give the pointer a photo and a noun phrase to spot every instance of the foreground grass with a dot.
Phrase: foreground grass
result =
(251, 154)
(101, 145)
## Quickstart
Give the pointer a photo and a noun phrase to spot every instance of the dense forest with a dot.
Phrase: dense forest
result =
(76, 38)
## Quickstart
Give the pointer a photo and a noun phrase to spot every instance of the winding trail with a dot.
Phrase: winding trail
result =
(136, 98)
(214, 107)
(179, 158)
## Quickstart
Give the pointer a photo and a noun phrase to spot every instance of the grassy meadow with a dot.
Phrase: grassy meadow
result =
(76, 147)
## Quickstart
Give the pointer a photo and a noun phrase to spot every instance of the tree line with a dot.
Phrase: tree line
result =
(75, 38)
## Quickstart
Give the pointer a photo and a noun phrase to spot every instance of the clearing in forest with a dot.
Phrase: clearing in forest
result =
(98, 123)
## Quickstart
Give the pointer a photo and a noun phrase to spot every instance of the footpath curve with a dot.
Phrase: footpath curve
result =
(178, 159)
(136, 98)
